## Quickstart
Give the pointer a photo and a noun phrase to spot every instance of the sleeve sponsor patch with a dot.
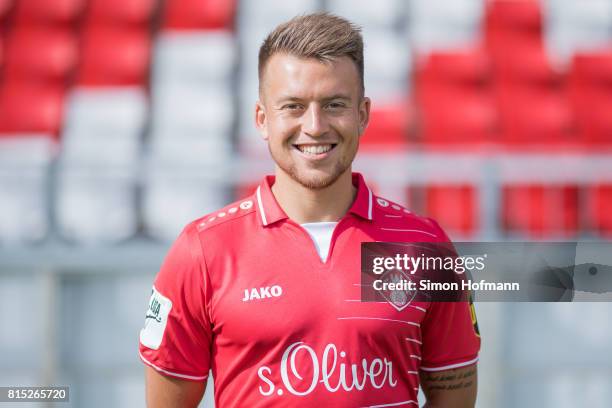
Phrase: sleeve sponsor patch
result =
(155, 320)
(473, 316)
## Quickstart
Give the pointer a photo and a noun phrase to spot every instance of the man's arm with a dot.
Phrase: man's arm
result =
(167, 392)
(450, 388)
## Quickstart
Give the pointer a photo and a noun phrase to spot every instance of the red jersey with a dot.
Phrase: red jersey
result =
(243, 292)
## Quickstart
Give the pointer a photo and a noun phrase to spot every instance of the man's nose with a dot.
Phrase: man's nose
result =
(314, 121)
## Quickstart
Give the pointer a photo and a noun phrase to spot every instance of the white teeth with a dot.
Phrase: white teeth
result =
(318, 149)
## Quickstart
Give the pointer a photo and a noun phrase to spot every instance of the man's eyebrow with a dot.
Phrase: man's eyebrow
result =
(289, 98)
(338, 96)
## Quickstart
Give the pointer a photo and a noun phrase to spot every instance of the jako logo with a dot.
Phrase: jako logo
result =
(262, 293)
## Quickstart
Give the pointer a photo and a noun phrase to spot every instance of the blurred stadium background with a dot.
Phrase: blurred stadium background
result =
(122, 120)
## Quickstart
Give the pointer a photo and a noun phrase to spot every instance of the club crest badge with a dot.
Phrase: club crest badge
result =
(402, 293)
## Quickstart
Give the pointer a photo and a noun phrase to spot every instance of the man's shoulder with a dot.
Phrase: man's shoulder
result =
(228, 217)
(393, 217)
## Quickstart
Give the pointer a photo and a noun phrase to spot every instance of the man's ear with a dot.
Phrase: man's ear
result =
(261, 120)
(364, 114)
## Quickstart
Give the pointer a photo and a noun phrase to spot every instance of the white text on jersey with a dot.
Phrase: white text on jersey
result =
(368, 375)
(262, 293)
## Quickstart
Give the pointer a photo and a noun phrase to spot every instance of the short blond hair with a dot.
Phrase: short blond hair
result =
(323, 36)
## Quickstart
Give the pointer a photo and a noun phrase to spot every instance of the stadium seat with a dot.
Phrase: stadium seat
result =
(454, 207)
(514, 15)
(368, 14)
(529, 118)
(459, 119)
(435, 25)
(540, 211)
(103, 113)
(269, 13)
(591, 96)
(599, 201)
(468, 68)
(199, 14)
(532, 69)
(175, 195)
(134, 13)
(454, 96)
(388, 126)
(24, 178)
(185, 57)
(30, 109)
(190, 112)
(86, 192)
(203, 149)
(110, 150)
(387, 62)
(511, 26)
(56, 12)
(114, 57)
(45, 56)
(577, 26)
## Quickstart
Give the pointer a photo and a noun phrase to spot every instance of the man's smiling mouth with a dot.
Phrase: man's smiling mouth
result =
(314, 149)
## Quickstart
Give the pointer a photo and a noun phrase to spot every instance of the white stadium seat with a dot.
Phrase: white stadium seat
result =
(194, 57)
(174, 196)
(103, 112)
(577, 26)
(24, 177)
(387, 64)
(370, 14)
(204, 149)
(269, 13)
(188, 111)
(96, 204)
(444, 24)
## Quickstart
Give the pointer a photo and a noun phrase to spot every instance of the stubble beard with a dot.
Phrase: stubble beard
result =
(314, 182)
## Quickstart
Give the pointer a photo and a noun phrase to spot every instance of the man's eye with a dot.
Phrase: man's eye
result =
(291, 106)
(335, 105)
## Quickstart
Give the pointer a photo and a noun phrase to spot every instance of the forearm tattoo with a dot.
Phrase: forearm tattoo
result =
(449, 380)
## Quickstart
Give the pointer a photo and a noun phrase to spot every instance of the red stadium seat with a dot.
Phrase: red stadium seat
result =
(470, 68)
(531, 69)
(459, 119)
(531, 118)
(120, 12)
(454, 95)
(199, 14)
(594, 68)
(512, 26)
(514, 15)
(114, 57)
(590, 85)
(540, 211)
(595, 122)
(600, 209)
(29, 109)
(388, 126)
(453, 206)
(40, 55)
(48, 12)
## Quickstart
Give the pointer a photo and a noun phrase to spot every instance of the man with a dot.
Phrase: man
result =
(266, 292)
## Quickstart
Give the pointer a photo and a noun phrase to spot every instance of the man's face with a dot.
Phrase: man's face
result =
(312, 114)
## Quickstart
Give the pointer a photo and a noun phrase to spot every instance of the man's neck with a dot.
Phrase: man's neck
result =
(304, 205)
